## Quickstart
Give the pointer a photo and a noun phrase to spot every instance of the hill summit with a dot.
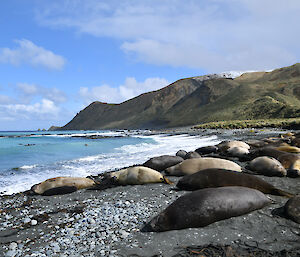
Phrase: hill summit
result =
(254, 95)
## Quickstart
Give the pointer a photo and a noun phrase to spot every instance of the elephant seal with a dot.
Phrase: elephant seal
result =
(274, 140)
(191, 166)
(62, 185)
(181, 153)
(268, 151)
(267, 166)
(205, 206)
(237, 151)
(138, 175)
(256, 143)
(191, 155)
(292, 208)
(222, 178)
(288, 149)
(291, 162)
(207, 149)
(160, 163)
(223, 146)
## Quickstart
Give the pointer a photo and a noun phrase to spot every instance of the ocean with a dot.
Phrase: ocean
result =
(27, 158)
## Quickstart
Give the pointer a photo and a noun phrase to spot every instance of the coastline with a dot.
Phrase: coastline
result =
(107, 223)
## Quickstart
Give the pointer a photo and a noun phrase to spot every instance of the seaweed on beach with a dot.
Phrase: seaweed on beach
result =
(241, 250)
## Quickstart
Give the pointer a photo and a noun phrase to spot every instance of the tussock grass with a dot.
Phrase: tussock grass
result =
(289, 123)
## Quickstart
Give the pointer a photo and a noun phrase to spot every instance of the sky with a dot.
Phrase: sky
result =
(58, 56)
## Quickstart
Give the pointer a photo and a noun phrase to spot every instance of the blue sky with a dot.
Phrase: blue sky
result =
(56, 57)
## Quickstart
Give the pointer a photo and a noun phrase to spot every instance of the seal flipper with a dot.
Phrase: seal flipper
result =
(293, 173)
(105, 183)
(60, 190)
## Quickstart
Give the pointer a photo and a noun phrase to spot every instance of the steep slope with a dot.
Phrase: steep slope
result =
(190, 101)
(140, 112)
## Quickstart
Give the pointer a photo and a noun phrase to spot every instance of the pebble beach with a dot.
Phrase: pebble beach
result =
(108, 222)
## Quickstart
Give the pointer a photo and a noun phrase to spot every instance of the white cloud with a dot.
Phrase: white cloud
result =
(29, 53)
(215, 35)
(33, 106)
(44, 110)
(28, 91)
(132, 88)
(128, 90)
(103, 93)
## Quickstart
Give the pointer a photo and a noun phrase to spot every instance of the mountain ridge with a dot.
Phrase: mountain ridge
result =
(195, 100)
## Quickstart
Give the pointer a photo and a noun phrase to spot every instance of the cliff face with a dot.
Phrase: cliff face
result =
(190, 101)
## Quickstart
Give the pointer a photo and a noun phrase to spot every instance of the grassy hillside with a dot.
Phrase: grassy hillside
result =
(290, 123)
(252, 96)
(258, 95)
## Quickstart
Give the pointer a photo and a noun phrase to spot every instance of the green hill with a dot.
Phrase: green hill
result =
(257, 95)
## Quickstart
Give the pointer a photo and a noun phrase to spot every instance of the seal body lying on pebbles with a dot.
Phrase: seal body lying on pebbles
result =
(62, 185)
(292, 208)
(234, 148)
(222, 178)
(268, 166)
(291, 162)
(191, 166)
(138, 175)
(160, 163)
(268, 151)
(289, 149)
(207, 149)
(223, 146)
(205, 206)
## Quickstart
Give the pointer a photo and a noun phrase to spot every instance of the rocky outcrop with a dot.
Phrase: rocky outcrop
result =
(54, 128)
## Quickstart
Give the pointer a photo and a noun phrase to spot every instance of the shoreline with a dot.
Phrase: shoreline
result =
(107, 223)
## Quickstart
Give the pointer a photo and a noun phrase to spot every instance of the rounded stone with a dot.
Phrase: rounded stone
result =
(34, 222)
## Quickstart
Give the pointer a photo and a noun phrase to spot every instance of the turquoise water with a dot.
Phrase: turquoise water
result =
(27, 158)
(29, 149)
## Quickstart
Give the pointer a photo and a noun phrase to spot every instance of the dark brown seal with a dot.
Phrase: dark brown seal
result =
(207, 149)
(222, 178)
(191, 155)
(160, 163)
(292, 209)
(181, 153)
(205, 206)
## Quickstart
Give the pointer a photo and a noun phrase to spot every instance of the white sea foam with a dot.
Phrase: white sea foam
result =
(26, 167)
(91, 165)
(67, 134)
